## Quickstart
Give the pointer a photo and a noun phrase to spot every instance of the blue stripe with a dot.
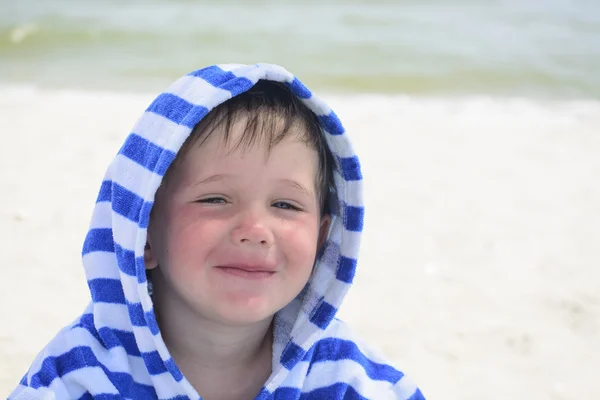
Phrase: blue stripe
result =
(105, 192)
(178, 110)
(194, 116)
(346, 269)
(101, 396)
(353, 218)
(136, 314)
(83, 357)
(118, 338)
(333, 392)
(332, 349)
(174, 370)
(140, 268)
(152, 323)
(237, 86)
(350, 167)
(299, 89)
(214, 75)
(264, 394)
(126, 260)
(98, 240)
(332, 124)
(417, 395)
(145, 215)
(140, 318)
(291, 355)
(87, 320)
(147, 154)
(85, 324)
(154, 363)
(126, 203)
(106, 290)
(323, 315)
(224, 80)
(109, 337)
(284, 393)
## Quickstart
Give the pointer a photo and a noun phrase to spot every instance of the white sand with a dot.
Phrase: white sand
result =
(480, 269)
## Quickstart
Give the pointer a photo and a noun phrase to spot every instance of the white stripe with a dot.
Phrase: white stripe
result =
(69, 339)
(354, 193)
(326, 373)
(124, 231)
(199, 92)
(63, 389)
(134, 177)
(111, 315)
(132, 288)
(101, 215)
(336, 291)
(324, 275)
(294, 378)
(36, 365)
(252, 72)
(231, 67)
(339, 330)
(339, 145)
(144, 339)
(405, 388)
(99, 264)
(114, 359)
(166, 386)
(27, 393)
(161, 131)
(349, 247)
(317, 106)
(91, 378)
(276, 73)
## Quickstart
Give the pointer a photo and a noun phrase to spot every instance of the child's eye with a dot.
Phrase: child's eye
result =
(284, 205)
(212, 200)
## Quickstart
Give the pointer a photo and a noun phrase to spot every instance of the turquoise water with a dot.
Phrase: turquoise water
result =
(535, 48)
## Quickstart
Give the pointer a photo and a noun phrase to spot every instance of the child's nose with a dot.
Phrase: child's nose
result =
(252, 230)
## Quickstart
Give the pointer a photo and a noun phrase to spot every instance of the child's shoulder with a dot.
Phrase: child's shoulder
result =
(65, 366)
(350, 357)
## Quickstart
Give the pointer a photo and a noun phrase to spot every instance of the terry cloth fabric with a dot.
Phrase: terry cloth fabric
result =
(115, 349)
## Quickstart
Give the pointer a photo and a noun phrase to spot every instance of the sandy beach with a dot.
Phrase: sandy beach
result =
(479, 273)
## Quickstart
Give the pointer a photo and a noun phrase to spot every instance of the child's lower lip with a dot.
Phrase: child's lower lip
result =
(242, 273)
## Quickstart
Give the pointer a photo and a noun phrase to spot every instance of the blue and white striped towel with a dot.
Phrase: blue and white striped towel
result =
(115, 350)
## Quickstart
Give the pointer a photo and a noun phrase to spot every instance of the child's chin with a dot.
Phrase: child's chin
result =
(245, 319)
(247, 311)
(246, 315)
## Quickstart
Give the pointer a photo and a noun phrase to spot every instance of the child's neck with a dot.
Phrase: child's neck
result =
(222, 362)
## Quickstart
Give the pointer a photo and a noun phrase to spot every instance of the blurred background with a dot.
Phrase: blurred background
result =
(477, 123)
(503, 47)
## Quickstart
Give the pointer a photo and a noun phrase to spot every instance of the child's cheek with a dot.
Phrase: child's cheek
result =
(299, 240)
(192, 236)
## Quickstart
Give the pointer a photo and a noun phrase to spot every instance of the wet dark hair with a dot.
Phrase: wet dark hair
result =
(270, 110)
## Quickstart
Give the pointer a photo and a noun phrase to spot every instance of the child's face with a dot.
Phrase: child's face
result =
(235, 233)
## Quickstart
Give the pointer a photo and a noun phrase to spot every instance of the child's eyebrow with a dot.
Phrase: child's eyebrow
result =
(292, 183)
(213, 178)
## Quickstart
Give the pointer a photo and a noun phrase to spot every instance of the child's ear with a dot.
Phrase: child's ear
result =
(323, 231)
(149, 259)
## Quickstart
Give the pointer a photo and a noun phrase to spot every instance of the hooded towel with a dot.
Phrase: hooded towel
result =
(114, 350)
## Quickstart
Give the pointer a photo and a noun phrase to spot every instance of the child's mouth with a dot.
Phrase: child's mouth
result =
(248, 272)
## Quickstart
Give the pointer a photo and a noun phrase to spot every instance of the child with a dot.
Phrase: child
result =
(223, 241)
